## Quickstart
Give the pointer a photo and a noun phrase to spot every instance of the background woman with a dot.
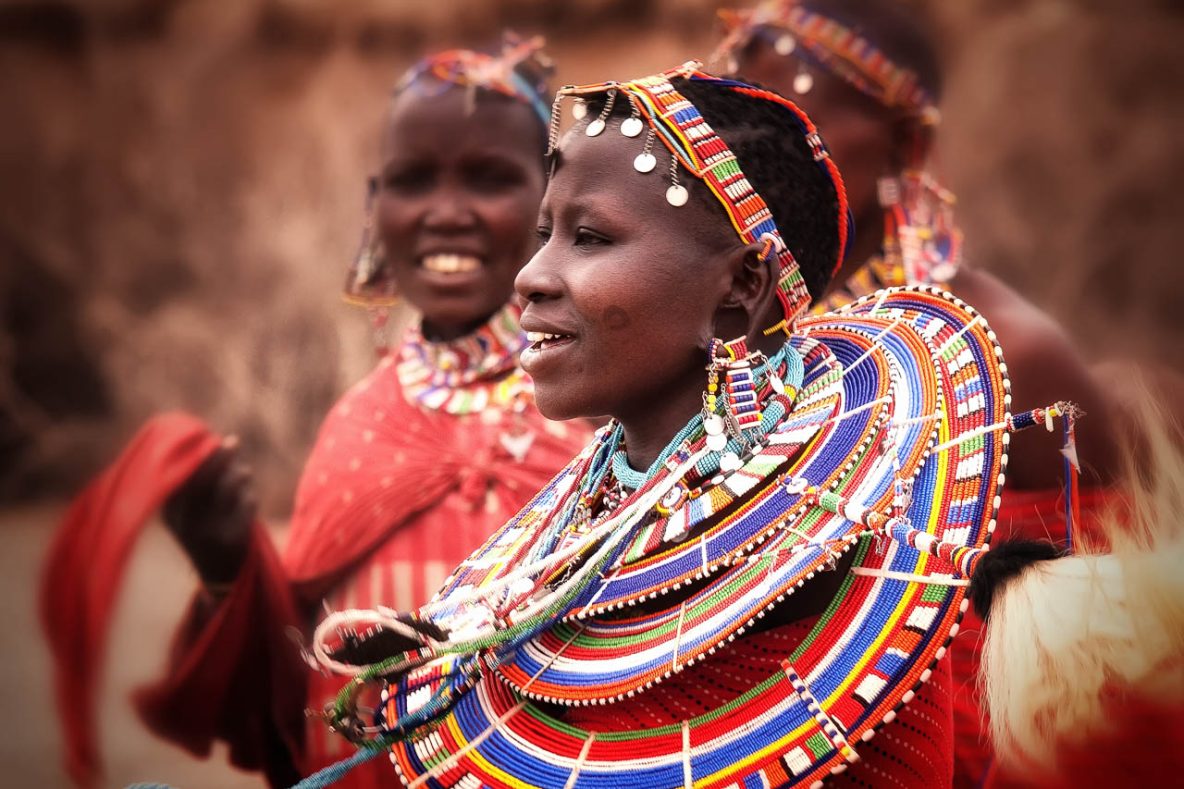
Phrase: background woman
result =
(412, 468)
(869, 75)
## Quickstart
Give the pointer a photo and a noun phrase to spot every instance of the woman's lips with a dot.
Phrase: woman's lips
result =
(544, 346)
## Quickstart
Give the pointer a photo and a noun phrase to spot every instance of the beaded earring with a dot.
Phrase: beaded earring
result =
(370, 282)
(741, 409)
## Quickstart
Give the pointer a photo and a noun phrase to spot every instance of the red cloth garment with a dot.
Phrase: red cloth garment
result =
(86, 559)
(449, 479)
(393, 497)
(1143, 745)
(1026, 515)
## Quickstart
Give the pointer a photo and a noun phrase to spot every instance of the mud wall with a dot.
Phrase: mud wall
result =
(181, 188)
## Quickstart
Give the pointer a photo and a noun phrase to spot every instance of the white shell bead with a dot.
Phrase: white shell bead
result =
(645, 162)
(785, 44)
(677, 195)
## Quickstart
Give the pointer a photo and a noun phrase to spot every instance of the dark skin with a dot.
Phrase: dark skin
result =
(869, 141)
(613, 268)
(460, 183)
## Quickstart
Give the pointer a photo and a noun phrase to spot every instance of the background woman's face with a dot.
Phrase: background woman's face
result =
(630, 283)
(858, 131)
(458, 196)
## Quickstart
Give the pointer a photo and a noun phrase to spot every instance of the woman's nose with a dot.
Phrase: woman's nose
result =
(449, 210)
(538, 279)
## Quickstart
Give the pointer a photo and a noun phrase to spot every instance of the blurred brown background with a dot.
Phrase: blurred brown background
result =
(181, 187)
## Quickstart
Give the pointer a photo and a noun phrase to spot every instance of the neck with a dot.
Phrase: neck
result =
(867, 243)
(648, 432)
(434, 331)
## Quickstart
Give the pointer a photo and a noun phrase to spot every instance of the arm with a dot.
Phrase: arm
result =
(1044, 367)
(234, 671)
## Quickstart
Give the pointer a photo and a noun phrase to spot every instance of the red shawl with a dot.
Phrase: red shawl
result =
(236, 675)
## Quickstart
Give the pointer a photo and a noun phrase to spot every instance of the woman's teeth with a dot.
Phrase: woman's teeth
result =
(542, 336)
(451, 264)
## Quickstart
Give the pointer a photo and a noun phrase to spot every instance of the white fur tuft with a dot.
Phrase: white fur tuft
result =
(1066, 633)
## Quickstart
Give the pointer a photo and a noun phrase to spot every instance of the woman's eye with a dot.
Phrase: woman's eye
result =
(586, 237)
(407, 181)
(493, 178)
(544, 234)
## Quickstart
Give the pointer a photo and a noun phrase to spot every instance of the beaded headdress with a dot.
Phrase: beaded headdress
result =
(922, 242)
(693, 144)
(838, 48)
(370, 282)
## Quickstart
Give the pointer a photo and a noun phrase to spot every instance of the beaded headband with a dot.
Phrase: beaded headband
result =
(496, 73)
(838, 48)
(674, 120)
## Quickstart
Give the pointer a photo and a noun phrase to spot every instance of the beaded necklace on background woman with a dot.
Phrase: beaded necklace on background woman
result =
(412, 468)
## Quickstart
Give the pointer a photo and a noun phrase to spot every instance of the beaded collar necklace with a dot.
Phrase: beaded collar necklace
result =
(897, 447)
(466, 375)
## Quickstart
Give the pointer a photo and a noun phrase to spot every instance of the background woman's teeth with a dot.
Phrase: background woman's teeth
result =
(451, 264)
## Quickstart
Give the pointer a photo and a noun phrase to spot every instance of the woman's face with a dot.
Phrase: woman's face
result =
(458, 197)
(859, 132)
(630, 284)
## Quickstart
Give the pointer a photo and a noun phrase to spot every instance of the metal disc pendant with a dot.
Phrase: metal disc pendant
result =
(717, 442)
(594, 128)
(785, 44)
(729, 462)
(645, 163)
(579, 109)
(677, 195)
(802, 83)
(631, 127)
(777, 384)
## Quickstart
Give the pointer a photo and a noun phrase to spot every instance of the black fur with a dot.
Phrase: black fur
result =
(1002, 563)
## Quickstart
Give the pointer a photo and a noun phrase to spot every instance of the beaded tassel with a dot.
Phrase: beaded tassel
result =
(742, 404)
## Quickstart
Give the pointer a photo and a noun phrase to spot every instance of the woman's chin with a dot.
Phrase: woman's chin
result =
(555, 402)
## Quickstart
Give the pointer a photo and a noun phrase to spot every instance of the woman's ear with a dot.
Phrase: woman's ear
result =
(752, 295)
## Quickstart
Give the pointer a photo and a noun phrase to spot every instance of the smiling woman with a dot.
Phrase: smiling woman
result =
(758, 563)
(458, 179)
(413, 468)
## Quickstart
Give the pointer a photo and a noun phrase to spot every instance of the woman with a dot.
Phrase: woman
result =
(868, 74)
(412, 469)
(748, 572)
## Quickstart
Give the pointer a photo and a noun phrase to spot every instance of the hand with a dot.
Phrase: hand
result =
(211, 514)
